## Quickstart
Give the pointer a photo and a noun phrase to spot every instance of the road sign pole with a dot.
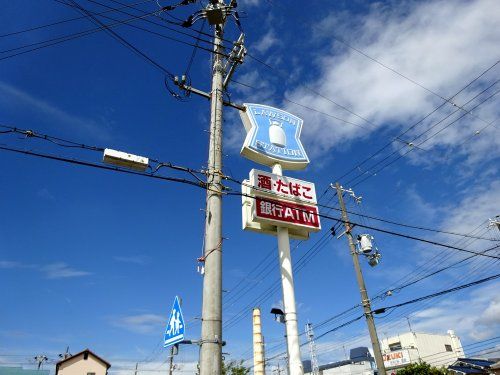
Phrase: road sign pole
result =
(365, 300)
(292, 331)
(211, 325)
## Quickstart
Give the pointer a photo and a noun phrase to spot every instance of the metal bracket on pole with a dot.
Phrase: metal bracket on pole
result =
(236, 57)
(181, 84)
(199, 342)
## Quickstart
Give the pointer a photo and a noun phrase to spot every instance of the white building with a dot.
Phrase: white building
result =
(415, 347)
(360, 362)
(352, 368)
(83, 363)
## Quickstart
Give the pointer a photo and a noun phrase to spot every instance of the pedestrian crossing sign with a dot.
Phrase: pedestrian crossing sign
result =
(175, 330)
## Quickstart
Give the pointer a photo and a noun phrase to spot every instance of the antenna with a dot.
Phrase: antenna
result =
(312, 349)
(66, 354)
(40, 359)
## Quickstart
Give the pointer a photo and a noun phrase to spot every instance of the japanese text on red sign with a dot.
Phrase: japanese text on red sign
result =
(287, 212)
(293, 189)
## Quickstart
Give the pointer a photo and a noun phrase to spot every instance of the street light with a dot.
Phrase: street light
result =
(279, 315)
(125, 159)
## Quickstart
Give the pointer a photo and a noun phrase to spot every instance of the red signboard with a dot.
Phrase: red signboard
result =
(286, 187)
(283, 212)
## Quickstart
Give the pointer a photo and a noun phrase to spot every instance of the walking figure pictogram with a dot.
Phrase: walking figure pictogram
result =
(174, 332)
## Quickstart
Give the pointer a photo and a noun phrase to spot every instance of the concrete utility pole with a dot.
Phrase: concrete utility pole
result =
(365, 300)
(258, 344)
(211, 325)
(292, 331)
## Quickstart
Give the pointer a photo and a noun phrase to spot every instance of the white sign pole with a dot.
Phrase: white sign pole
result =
(292, 331)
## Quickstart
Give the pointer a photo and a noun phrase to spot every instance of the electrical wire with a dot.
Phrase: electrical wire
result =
(96, 20)
(196, 38)
(397, 234)
(64, 21)
(443, 292)
(373, 155)
(179, 24)
(99, 166)
(64, 38)
(361, 52)
(361, 215)
(54, 41)
(307, 107)
(356, 306)
(469, 274)
(401, 155)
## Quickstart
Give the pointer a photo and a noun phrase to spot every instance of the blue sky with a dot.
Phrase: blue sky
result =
(90, 258)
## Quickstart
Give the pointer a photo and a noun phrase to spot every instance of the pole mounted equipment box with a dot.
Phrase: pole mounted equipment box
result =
(215, 14)
(124, 159)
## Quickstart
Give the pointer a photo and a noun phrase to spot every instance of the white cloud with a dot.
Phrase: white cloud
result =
(7, 264)
(412, 38)
(61, 271)
(479, 204)
(265, 43)
(29, 102)
(478, 322)
(57, 270)
(250, 2)
(141, 323)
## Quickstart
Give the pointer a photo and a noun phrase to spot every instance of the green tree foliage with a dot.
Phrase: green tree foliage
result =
(421, 369)
(234, 368)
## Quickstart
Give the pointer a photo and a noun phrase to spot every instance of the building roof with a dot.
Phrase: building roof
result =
(474, 362)
(83, 352)
(20, 371)
(466, 370)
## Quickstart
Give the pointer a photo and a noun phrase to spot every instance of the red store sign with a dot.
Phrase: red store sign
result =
(286, 187)
(286, 213)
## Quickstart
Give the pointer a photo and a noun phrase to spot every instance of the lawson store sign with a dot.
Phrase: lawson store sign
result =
(273, 136)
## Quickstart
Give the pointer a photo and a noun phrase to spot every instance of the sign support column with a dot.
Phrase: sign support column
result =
(292, 331)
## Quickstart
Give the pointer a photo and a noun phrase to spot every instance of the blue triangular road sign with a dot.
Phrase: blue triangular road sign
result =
(174, 332)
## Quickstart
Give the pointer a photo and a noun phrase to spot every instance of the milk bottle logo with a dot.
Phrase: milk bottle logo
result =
(273, 136)
(277, 135)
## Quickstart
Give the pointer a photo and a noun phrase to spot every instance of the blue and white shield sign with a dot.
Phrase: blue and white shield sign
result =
(175, 330)
(273, 136)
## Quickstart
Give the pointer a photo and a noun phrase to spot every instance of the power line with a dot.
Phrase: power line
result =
(54, 41)
(64, 21)
(443, 292)
(430, 260)
(68, 37)
(133, 7)
(201, 184)
(358, 165)
(416, 226)
(105, 167)
(197, 38)
(309, 88)
(350, 46)
(307, 107)
(422, 142)
(399, 288)
(240, 182)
